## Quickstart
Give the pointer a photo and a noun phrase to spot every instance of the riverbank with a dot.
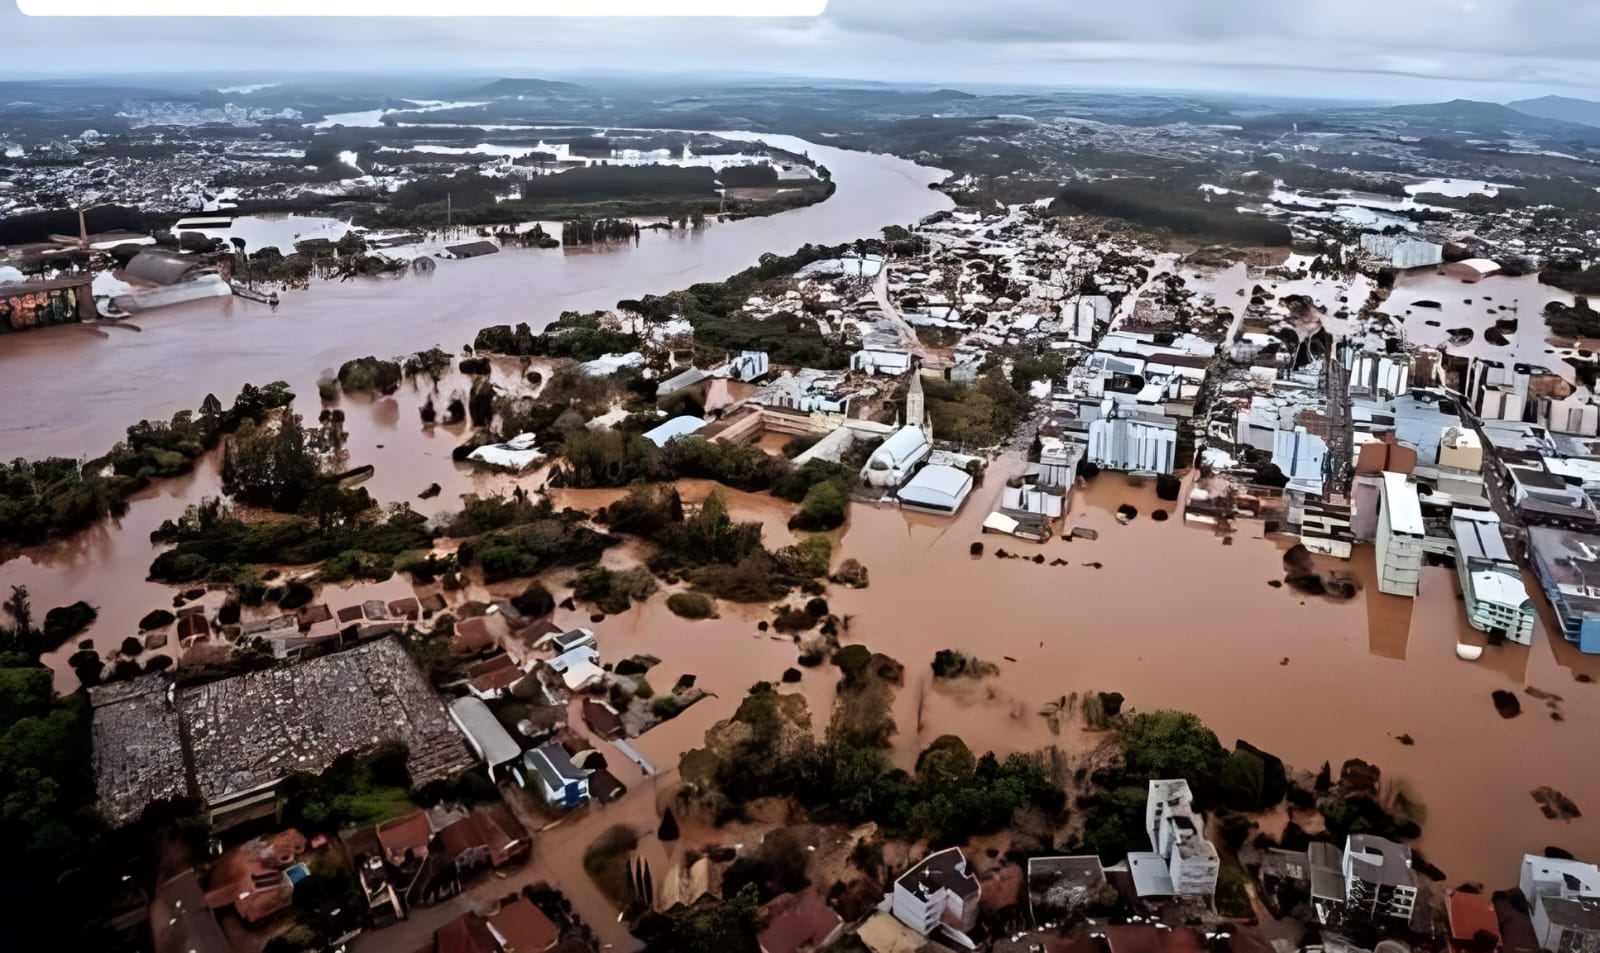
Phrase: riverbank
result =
(209, 346)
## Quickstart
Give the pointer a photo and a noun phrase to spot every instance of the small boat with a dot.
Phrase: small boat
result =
(1467, 652)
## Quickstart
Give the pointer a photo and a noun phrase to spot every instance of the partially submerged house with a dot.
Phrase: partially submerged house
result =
(36, 304)
(890, 362)
(799, 923)
(1400, 536)
(516, 455)
(936, 489)
(564, 642)
(1062, 888)
(897, 458)
(469, 250)
(180, 921)
(521, 927)
(1568, 566)
(578, 668)
(163, 277)
(673, 429)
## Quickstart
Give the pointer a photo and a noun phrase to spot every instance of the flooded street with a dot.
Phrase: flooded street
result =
(83, 389)
(1168, 615)
(1175, 619)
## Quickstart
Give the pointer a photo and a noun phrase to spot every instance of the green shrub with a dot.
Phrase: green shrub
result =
(824, 507)
(355, 564)
(691, 605)
(370, 374)
(612, 591)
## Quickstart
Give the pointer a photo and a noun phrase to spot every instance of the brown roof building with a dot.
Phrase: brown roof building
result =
(799, 923)
(465, 934)
(521, 927)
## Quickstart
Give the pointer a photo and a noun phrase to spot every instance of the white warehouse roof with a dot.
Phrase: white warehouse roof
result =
(676, 427)
(938, 489)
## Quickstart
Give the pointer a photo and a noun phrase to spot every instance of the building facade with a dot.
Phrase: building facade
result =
(939, 891)
(1400, 536)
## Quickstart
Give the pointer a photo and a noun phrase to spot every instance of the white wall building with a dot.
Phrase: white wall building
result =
(1564, 898)
(1122, 440)
(940, 892)
(1400, 535)
(1496, 596)
(749, 365)
(1570, 415)
(1403, 252)
(1182, 863)
(1378, 879)
(897, 458)
(884, 361)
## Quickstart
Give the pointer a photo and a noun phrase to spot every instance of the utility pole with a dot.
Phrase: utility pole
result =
(448, 209)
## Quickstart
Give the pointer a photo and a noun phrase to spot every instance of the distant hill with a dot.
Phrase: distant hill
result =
(503, 88)
(1469, 110)
(1561, 108)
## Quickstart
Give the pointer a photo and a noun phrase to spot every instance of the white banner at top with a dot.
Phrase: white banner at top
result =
(424, 8)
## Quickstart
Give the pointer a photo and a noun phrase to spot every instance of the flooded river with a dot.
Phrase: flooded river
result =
(1165, 614)
(83, 389)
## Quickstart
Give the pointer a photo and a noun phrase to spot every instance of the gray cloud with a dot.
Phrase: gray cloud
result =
(1398, 49)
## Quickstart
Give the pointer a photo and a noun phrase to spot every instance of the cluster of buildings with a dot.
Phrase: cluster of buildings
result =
(231, 744)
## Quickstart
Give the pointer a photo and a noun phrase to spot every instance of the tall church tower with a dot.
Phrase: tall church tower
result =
(916, 404)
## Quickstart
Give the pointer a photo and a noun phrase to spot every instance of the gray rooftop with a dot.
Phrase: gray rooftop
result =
(251, 731)
(1379, 860)
(1574, 913)
(1058, 886)
(945, 869)
(484, 730)
(554, 765)
(1327, 871)
(138, 747)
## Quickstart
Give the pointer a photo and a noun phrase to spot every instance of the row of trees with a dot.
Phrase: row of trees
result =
(48, 499)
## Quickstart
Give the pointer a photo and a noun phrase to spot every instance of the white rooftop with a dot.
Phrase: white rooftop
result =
(1151, 875)
(937, 487)
(1400, 498)
(676, 427)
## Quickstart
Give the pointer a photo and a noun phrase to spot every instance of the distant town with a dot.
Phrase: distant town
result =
(891, 523)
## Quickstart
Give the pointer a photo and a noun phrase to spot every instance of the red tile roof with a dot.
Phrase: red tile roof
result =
(1470, 914)
(465, 934)
(1149, 939)
(493, 673)
(462, 836)
(411, 832)
(522, 927)
(798, 921)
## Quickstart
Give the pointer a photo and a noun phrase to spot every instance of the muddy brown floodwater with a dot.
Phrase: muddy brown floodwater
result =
(82, 389)
(1171, 617)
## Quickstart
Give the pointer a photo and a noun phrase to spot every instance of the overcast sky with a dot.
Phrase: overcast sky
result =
(1390, 49)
